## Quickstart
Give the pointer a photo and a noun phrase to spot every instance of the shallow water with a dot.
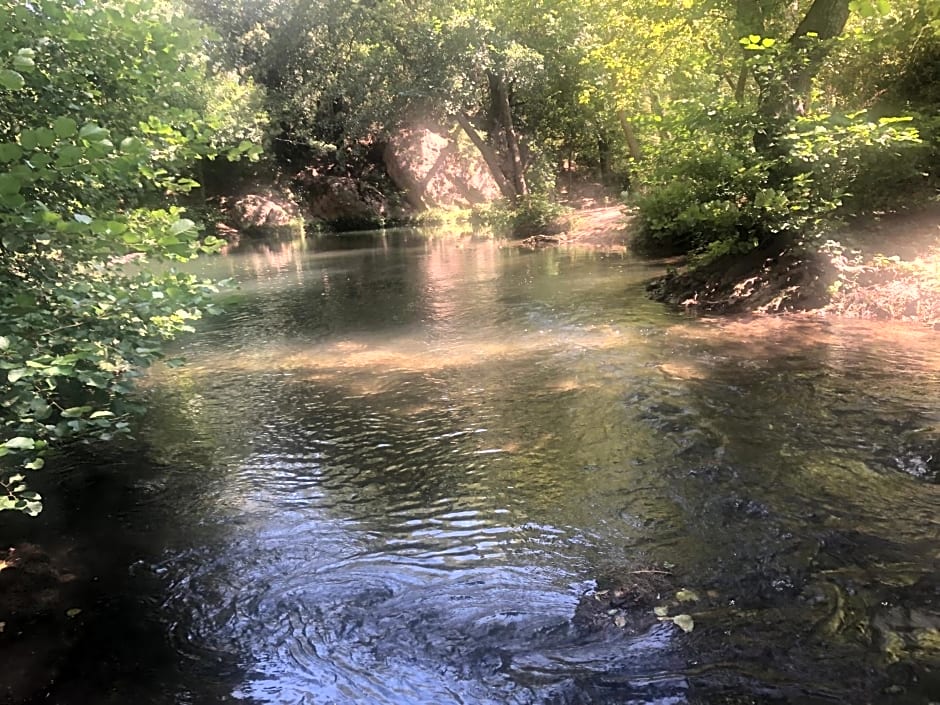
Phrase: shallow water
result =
(400, 468)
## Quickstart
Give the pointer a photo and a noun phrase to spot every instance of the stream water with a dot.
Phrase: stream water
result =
(409, 470)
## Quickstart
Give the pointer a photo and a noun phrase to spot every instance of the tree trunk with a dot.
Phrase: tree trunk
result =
(604, 158)
(784, 97)
(633, 144)
(504, 110)
(489, 156)
(741, 85)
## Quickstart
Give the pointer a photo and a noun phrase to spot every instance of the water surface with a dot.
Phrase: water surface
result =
(400, 468)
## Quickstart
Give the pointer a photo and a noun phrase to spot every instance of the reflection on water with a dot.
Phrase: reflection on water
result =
(396, 470)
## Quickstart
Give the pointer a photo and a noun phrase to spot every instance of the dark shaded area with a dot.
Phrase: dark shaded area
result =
(768, 279)
(83, 599)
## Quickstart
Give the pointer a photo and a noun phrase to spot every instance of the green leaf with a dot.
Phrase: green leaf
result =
(36, 464)
(75, 412)
(20, 443)
(9, 184)
(64, 127)
(130, 145)
(28, 139)
(45, 137)
(181, 226)
(14, 376)
(69, 154)
(11, 80)
(10, 151)
(92, 132)
(686, 596)
(4, 342)
(684, 622)
(29, 508)
(23, 63)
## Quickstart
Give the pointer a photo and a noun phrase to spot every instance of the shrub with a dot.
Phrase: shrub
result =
(713, 193)
(534, 214)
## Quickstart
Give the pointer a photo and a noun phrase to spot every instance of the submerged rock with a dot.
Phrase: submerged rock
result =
(627, 601)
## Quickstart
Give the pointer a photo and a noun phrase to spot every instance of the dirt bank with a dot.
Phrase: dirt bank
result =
(593, 224)
(882, 266)
(885, 266)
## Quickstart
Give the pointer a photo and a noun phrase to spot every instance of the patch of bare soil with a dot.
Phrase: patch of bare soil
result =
(601, 226)
(594, 224)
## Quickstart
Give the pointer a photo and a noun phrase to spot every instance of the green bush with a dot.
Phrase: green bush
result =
(102, 125)
(712, 193)
(534, 214)
(906, 172)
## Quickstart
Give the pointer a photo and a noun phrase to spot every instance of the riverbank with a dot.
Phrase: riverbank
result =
(594, 223)
(883, 266)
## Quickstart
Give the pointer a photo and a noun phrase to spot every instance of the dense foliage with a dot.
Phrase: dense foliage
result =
(104, 113)
(771, 113)
(820, 133)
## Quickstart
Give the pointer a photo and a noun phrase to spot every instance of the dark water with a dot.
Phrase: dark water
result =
(400, 470)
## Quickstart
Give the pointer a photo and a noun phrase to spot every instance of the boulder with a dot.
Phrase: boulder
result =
(257, 212)
(437, 170)
(261, 211)
(344, 203)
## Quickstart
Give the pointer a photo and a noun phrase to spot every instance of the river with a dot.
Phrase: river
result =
(404, 469)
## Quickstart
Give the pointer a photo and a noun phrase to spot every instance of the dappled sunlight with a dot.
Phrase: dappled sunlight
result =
(757, 338)
(678, 370)
(405, 354)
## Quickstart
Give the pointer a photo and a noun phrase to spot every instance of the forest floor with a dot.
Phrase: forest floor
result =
(881, 266)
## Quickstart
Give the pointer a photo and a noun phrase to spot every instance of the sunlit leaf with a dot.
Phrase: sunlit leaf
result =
(686, 596)
(20, 443)
(11, 80)
(92, 132)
